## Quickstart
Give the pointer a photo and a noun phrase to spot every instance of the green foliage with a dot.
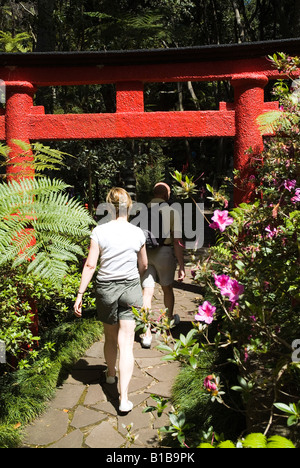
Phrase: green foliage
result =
(254, 441)
(21, 291)
(293, 410)
(250, 284)
(36, 157)
(39, 223)
(185, 349)
(18, 43)
(178, 427)
(159, 408)
(186, 188)
(40, 231)
(259, 250)
(25, 393)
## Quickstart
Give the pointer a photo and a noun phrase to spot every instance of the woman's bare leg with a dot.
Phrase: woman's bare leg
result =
(111, 347)
(126, 360)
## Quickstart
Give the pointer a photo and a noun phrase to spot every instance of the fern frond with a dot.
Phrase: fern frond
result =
(40, 224)
(147, 20)
(268, 121)
(255, 440)
(277, 441)
(41, 157)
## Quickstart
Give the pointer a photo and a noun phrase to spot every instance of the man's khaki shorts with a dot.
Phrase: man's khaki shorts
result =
(114, 300)
(161, 267)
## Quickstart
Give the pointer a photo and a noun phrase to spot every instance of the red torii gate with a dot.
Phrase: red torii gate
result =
(245, 66)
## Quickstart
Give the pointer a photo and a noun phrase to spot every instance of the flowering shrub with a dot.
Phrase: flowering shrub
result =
(252, 275)
(251, 278)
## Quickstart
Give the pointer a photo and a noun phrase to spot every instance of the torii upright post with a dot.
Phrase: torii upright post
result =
(19, 104)
(249, 104)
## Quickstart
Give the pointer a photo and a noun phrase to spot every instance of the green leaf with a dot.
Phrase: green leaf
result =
(255, 440)
(193, 362)
(285, 408)
(292, 420)
(277, 441)
(226, 444)
(165, 348)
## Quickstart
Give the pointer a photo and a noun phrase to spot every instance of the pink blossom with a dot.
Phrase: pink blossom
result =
(221, 282)
(289, 184)
(220, 220)
(271, 232)
(296, 198)
(210, 384)
(205, 313)
(236, 289)
(229, 287)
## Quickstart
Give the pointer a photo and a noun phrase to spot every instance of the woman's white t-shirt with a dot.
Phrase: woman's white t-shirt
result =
(119, 243)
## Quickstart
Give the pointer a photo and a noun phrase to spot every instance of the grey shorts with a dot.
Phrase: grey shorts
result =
(161, 267)
(114, 300)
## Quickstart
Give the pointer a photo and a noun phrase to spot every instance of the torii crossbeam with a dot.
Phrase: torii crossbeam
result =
(245, 66)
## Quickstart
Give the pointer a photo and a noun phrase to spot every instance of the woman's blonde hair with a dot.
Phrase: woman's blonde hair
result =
(120, 200)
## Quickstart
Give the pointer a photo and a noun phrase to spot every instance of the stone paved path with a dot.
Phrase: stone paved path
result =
(84, 412)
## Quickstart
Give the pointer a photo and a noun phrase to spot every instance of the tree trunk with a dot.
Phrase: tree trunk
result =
(45, 43)
(240, 27)
(46, 26)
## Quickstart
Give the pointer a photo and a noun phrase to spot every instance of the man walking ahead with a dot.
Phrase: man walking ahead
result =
(162, 260)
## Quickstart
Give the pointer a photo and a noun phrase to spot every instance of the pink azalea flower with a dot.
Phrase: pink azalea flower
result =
(205, 313)
(236, 289)
(229, 287)
(220, 220)
(289, 184)
(209, 383)
(296, 198)
(221, 281)
(271, 232)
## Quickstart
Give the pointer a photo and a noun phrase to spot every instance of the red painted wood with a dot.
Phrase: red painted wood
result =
(238, 120)
(249, 104)
(133, 125)
(194, 71)
(19, 102)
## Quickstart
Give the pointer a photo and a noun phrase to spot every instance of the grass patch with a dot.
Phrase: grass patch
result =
(190, 396)
(25, 393)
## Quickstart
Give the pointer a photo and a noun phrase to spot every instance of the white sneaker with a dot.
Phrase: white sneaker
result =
(109, 379)
(125, 407)
(146, 341)
(176, 320)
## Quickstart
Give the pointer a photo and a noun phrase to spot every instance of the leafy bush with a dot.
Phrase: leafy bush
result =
(252, 275)
(42, 234)
(250, 281)
(19, 292)
(255, 440)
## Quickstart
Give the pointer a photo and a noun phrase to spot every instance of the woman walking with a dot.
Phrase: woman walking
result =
(123, 259)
